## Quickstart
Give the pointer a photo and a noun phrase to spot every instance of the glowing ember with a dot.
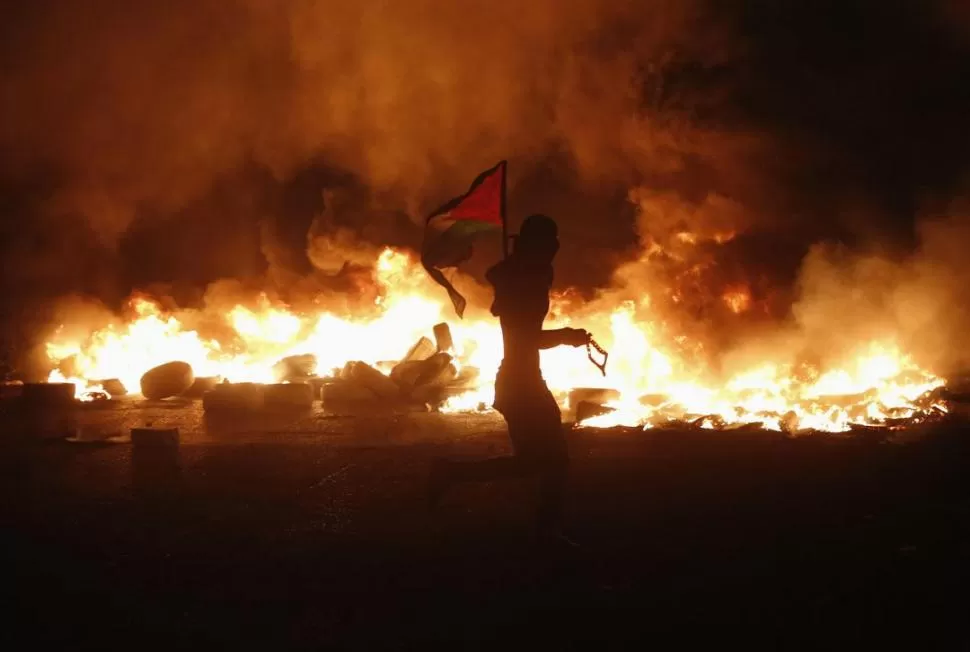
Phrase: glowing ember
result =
(878, 384)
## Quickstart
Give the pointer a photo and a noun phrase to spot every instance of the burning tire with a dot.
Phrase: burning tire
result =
(114, 387)
(468, 378)
(370, 378)
(431, 395)
(588, 402)
(420, 350)
(164, 381)
(592, 395)
(234, 396)
(348, 397)
(436, 371)
(345, 391)
(585, 410)
(442, 337)
(407, 373)
(288, 396)
(296, 367)
(202, 385)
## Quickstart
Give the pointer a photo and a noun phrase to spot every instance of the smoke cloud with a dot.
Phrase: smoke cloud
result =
(850, 297)
(151, 105)
(693, 145)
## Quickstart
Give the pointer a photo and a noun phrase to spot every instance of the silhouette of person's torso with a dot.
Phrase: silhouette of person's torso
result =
(521, 304)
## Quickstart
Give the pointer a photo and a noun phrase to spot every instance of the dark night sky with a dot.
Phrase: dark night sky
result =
(877, 85)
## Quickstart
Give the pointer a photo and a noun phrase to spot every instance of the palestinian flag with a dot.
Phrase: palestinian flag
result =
(451, 230)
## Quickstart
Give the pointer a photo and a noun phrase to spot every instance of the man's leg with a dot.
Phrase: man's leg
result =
(553, 475)
(525, 461)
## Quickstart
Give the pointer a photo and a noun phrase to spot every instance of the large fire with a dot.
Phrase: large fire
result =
(877, 385)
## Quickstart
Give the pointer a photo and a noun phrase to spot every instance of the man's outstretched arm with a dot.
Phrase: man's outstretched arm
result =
(562, 337)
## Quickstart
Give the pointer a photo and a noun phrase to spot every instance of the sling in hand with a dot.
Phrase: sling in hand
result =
(593, 344)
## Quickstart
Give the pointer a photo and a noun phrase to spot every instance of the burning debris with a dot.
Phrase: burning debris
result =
(240, 397)
(202, 385)
(404, 357)
(426, 377)
(113, 387)
(295, 368)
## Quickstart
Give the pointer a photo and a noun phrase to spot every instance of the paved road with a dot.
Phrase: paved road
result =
(311, 532)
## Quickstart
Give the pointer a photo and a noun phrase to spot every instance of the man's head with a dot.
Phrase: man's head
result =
(538, 238)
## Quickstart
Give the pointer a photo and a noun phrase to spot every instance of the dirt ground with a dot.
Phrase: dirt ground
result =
(312, 532)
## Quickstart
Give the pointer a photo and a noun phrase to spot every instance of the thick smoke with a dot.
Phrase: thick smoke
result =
(164, 145)
(918, 300)
(150, 106)
(177, 143)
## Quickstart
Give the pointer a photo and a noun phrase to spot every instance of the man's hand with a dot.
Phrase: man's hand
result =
(574, 337)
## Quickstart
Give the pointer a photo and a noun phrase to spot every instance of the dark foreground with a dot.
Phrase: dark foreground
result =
(317, 537)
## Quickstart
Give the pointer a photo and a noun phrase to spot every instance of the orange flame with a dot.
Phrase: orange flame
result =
(737, 299)
(878, 384)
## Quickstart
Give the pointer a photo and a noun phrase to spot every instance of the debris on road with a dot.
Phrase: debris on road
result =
(201, 385)
(112, 387)
(442, 338)
(167, 380)
(295, 368)
(234, 396)
(288, 396)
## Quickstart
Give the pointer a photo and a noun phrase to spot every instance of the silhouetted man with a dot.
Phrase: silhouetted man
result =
(522, 283)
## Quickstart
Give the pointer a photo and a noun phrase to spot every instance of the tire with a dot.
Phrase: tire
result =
(112, 387)
(167, 380)
(288, 396)
(234, 396)
(202, 385)
(295, 367)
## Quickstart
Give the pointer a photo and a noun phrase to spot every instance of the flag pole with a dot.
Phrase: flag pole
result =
(505, 221)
